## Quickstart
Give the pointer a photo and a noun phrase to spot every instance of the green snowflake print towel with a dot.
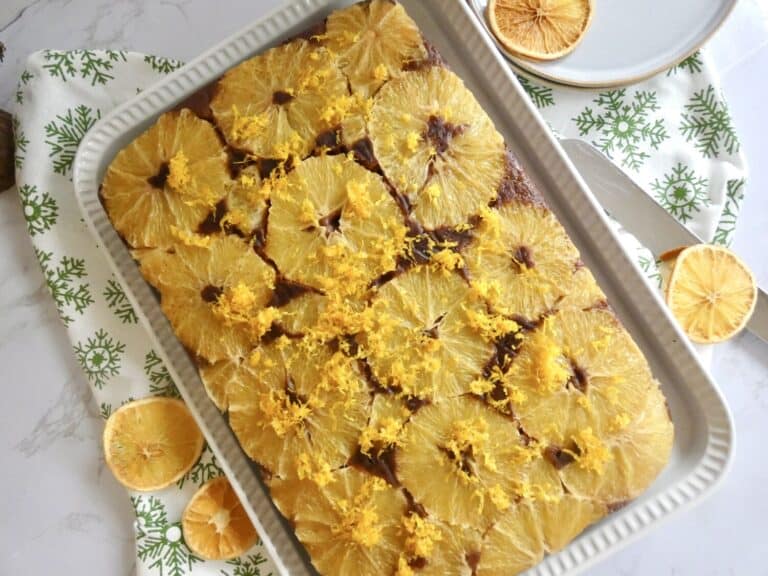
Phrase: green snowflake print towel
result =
(59, 97)
(672, 133)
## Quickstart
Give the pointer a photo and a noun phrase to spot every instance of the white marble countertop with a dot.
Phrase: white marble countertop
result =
(59, 508)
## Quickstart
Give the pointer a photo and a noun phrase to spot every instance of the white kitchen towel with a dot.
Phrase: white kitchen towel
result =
(672, 133)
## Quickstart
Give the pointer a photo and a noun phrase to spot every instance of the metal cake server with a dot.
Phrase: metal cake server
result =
(641, 215)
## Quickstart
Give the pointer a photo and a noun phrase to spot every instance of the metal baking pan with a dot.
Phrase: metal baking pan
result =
(704, 431)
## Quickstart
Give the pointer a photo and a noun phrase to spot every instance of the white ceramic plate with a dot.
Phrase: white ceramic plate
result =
(703, 428)
(629, 40)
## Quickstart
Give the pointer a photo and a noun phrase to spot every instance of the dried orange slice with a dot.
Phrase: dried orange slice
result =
(215, 524)
(711, 292)
(151, 443)
(539, 29)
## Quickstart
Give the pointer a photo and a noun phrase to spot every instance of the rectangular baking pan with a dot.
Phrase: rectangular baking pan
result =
(704, 431)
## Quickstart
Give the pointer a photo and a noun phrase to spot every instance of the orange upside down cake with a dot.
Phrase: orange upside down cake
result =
(401, 332)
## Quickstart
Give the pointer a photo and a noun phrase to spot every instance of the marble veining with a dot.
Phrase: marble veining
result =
(63, 419)
(59, 504)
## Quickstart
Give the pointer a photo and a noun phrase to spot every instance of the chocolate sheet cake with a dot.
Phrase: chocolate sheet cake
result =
(401, 332)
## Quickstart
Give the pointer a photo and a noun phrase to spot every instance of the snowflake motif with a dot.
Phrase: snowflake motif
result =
(90, 64)
(65, 133)
(60, 64)
(105, 410)
(96, 67)
(118, 302)
(621, 125)
(100, 357)
(734, 194)
(26, 76)
(65, 284)
(160, 381)
(149, 512)
(40, 210)
(651, 269)
(206, 468)
(163, 65)
(21, 143)
(693, 65)
(246, 566)
(541, 96)
(708, 124)
(160, 543)
(682, 192)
